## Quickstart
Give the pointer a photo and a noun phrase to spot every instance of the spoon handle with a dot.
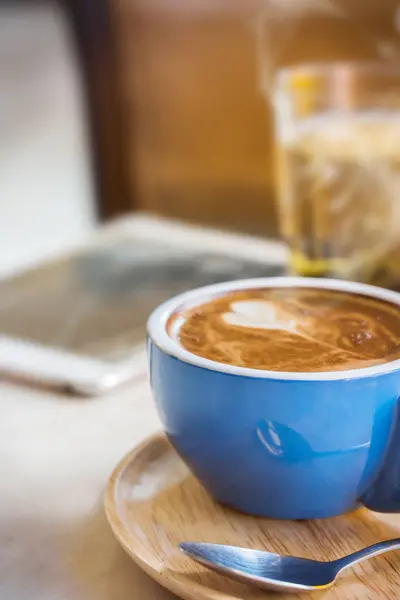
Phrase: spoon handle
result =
(368, 552)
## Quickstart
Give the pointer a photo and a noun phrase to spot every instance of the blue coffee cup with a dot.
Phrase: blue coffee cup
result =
(276, 444)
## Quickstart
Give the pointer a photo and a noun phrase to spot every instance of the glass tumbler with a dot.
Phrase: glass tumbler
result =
(338, 166)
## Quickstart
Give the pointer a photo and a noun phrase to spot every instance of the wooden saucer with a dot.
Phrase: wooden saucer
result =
(153, 503)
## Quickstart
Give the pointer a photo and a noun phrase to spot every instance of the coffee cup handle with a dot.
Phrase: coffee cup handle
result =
(384, 493)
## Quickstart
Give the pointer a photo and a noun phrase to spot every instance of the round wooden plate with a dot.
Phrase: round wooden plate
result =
(153, 503)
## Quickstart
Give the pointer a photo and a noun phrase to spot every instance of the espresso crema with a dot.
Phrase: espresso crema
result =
(291, 330)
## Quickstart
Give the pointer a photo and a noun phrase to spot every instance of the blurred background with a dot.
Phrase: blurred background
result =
(112, 107)
(118, 108)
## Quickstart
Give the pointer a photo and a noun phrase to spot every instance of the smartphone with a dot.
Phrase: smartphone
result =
(79, 322)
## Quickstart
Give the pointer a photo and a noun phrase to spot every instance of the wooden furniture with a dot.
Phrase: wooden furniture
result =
(91, 26)
(180, 124)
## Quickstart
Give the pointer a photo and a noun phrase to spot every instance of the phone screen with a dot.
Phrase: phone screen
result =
(96, 303)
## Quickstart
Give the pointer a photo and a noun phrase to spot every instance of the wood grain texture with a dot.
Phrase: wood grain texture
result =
(91, 26)
(198, 132)
(153, 503)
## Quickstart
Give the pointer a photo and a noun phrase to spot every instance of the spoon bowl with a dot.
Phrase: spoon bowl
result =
(278, 572)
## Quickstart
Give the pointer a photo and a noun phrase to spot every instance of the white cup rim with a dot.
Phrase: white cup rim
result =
(157, 326)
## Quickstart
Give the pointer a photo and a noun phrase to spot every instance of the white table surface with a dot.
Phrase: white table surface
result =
(56, 454)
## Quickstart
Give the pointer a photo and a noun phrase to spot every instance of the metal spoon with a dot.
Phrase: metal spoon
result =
(276, 572)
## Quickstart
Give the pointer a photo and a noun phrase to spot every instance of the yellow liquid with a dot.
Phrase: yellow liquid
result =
(339, 179)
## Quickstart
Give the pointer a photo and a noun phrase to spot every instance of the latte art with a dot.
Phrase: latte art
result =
(259, 314)
(291, 329)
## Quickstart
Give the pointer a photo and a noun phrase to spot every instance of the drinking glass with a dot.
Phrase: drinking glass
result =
(338, 148)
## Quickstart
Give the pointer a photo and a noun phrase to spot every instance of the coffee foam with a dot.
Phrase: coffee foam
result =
(291, 330)
(260, 314)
